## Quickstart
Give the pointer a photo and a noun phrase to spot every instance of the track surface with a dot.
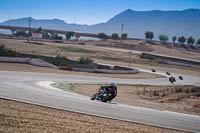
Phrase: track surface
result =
(24, 86)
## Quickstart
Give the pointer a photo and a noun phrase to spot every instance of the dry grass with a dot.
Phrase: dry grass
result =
(173, 52)
(30, 68)
(18, 117)
(159, 49)
(143, 96)
(24, 118)
(159, 67)
(107, 55)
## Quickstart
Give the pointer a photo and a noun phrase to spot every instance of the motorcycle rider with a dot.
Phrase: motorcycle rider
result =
(112, 89)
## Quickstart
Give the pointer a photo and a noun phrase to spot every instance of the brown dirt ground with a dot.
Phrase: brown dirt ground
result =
(127, 94)
(102, 55)
(159, 67)
(158, 49)
(30, 68)
(171, 98)
(173, 52)
(18, 117)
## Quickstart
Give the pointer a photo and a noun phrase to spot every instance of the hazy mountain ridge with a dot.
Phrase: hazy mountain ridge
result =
(160, 22)
(186, 22)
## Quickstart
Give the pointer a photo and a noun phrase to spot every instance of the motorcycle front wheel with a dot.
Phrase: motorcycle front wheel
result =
(93, 97)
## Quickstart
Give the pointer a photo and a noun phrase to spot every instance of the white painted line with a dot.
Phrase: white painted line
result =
(47, 85)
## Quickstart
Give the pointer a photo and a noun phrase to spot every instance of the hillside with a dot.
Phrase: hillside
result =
(170, 23)
(160, 22)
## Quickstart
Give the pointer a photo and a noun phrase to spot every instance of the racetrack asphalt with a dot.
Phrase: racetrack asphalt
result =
(26, 87)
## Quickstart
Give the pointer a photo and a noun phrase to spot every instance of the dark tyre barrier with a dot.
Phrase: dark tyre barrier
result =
(107, 71)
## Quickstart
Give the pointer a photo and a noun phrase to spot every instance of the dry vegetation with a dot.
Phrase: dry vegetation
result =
(183, 99)
(160, 67)
(100, 54)
(18, 117)
(106, 56)
(30, 68)
(127, 44)
(169, 50)
(24, 118)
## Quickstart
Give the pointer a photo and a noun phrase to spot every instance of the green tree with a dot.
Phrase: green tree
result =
(85, 60)
(59, 38)
(198, 42)
(69, 35)
(115, 36)
(181, 39)
(21, 33)
(39, 30)
(149, 35)
(55, 36)
(190, 40)
(8, 52)
(174, 38)
(45, 35)
(124, 36)
(163, 38)
(102, 36)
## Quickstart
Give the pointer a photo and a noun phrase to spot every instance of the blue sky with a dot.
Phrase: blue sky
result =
(85, 11)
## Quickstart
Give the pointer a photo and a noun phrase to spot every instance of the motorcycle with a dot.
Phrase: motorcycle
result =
(102, 95)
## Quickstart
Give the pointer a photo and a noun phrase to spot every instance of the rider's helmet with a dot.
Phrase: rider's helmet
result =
(112, 84)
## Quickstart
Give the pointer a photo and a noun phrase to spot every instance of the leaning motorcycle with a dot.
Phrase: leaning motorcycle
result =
(102, 95)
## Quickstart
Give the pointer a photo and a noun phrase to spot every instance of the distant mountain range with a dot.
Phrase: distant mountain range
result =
(178, 23)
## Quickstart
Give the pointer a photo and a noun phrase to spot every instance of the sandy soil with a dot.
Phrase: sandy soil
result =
(158, 49)
(127, 94)
(108, 55)
(102, 56)
(173, 52)
(29, 118)
(158, 67)
(30, 68)
(171, 98)
(24, 118)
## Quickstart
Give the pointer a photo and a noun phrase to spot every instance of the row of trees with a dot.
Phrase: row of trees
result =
(21, 33)
(114, 36)
(69, 35)
(26, 34)
(190, 40)
(164, 38)
(54, 36)
(45, 34)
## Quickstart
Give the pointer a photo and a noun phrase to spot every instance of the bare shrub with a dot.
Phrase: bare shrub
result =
(155, 93)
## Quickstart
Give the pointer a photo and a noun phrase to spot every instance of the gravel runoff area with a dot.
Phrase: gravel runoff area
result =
(16, 117)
